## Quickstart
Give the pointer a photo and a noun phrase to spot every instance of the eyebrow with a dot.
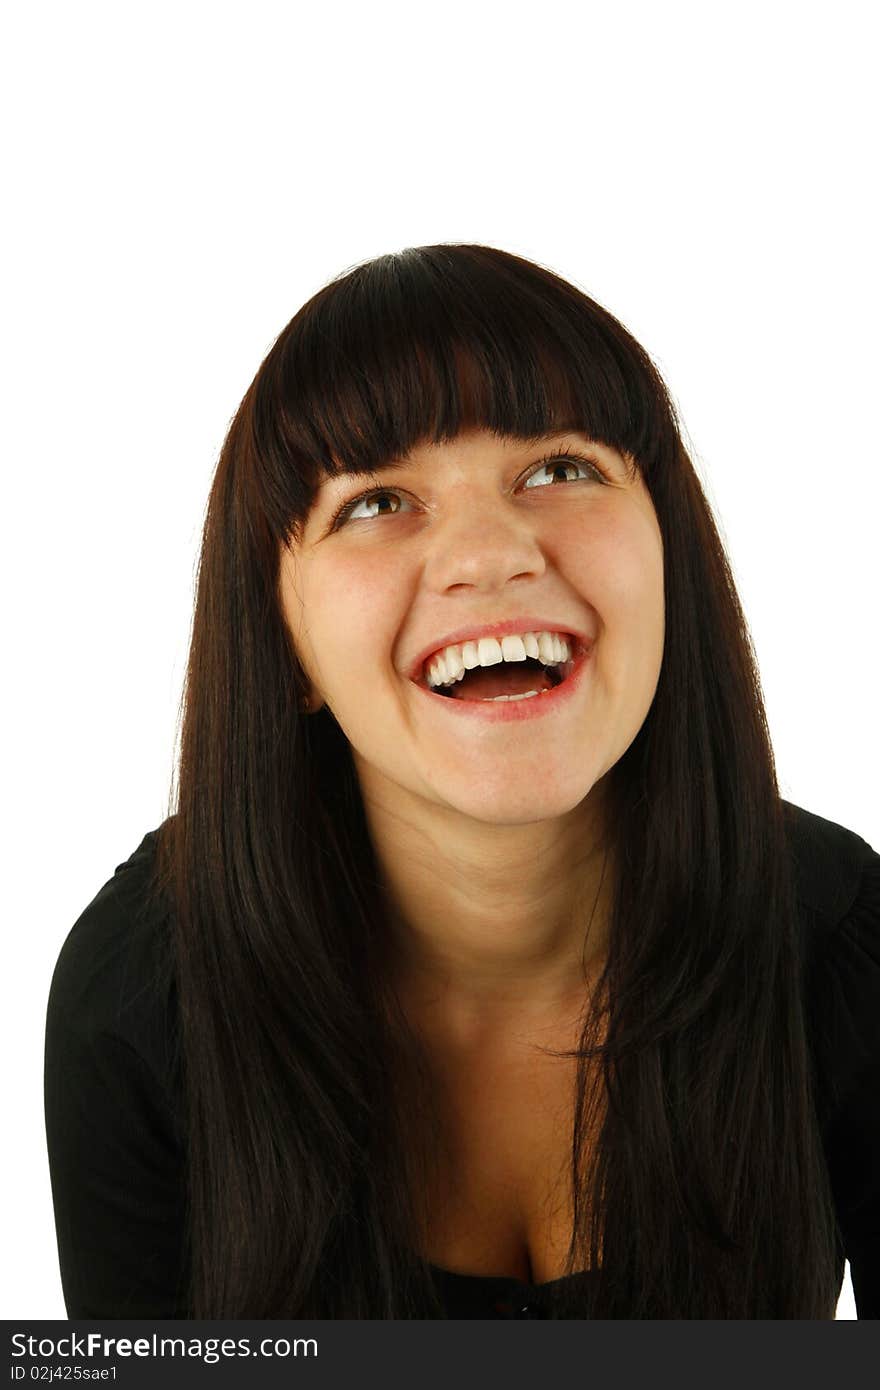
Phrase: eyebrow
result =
(397, 465)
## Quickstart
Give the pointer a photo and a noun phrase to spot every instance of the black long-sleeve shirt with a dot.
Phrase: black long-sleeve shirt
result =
(113, 1118)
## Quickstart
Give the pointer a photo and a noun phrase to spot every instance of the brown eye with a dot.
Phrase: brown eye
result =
(345, 511)
(559, 460)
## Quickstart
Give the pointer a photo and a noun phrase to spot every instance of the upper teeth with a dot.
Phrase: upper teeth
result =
(449, 665)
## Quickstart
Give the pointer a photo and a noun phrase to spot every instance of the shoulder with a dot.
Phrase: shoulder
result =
(838, 886)
(113, 978)
(837, 876)
(113, 1108)
(833, 866)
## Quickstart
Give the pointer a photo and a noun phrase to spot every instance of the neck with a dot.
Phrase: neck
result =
(493, 923)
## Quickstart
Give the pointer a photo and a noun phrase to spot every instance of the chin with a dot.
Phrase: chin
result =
(520, 805)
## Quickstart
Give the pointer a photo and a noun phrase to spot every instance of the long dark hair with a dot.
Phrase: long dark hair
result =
(703, 1191)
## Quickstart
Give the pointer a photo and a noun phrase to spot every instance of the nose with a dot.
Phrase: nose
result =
(483, 543)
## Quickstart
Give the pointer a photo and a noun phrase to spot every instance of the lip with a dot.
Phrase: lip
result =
(508, 628)
(504, 711)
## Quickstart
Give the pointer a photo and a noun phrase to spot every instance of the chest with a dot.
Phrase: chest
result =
(500, 1196)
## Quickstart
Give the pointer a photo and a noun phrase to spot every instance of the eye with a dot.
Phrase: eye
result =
(557, 460)
(346, 511)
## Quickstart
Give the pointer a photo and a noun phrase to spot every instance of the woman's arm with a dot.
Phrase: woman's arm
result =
(115, 1160)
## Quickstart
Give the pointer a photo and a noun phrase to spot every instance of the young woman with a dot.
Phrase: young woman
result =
(480, 969)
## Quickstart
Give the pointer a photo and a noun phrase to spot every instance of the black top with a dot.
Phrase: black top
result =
(112, 1117)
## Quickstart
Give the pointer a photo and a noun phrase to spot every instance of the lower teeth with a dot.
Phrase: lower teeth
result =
(527, 695)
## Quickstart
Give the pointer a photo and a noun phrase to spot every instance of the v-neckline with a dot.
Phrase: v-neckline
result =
(509, 1280)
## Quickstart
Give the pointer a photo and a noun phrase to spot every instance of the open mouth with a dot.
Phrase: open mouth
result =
(509, 680)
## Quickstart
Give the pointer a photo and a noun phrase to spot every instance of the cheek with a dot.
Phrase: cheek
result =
(350, 607)
(618, 567)
(622, 578)
(357, 601)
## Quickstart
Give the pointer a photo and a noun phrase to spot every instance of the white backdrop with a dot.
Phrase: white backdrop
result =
(184, 176)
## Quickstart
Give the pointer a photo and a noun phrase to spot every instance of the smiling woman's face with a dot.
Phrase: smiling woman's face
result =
(465, 535)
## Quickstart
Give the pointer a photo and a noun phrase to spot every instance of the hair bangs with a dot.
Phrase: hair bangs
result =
(422, 345)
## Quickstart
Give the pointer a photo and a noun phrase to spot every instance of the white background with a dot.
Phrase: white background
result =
(180, 178)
